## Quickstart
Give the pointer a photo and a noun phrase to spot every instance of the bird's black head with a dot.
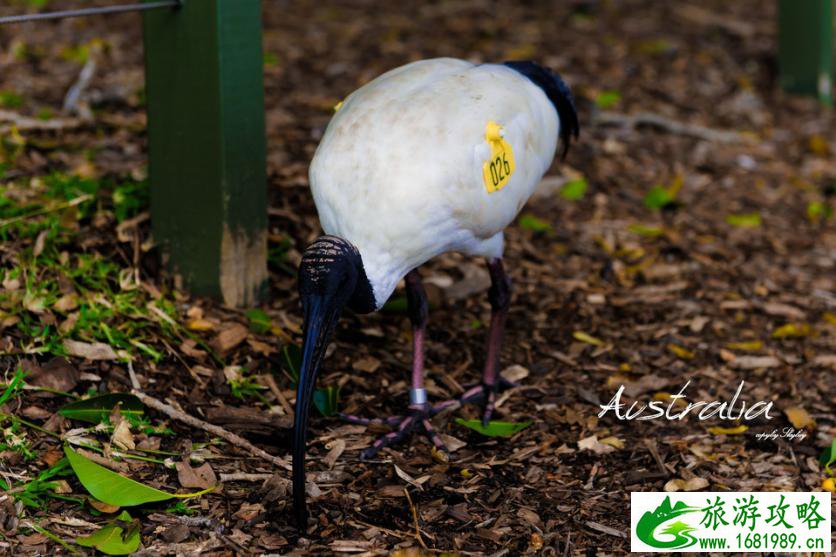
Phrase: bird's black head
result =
(558, 93)
(333, 269)
(331, 277)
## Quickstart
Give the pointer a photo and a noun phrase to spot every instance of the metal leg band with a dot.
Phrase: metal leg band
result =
(417, 396)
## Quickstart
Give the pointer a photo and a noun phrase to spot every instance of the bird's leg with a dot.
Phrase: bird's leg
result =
(499, 296)
(419, 409)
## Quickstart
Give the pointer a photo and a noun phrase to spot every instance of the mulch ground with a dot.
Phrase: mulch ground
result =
(729, 278)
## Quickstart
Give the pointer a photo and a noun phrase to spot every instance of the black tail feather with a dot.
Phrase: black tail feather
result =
(558, 93)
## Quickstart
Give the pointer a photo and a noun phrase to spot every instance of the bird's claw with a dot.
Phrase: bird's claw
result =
(486, 393)
(418, 417)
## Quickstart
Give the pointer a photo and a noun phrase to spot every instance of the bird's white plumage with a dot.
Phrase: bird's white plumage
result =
(398, 172)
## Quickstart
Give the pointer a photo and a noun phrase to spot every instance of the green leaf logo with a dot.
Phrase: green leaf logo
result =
(650, 521)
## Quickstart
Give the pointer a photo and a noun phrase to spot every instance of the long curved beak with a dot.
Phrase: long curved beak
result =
(321, 315)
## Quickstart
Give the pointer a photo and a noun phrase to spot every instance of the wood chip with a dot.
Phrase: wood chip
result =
(233, 335)
(754, 362)
(606, 529)
(366, 365)
(335, 450)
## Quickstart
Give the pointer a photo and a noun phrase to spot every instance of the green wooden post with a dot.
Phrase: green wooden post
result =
(207, 152)
(805, 58)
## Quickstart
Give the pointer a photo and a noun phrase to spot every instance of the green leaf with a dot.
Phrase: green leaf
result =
(270, 59)
(10, 99)
(260, 322)
(97, 408)
(744, 220)
(113, 539)
(818, 211)
(108, 486)
(658, 197)
(656, 46)
(607, 99)
(114, 489)
(645, 230)
(12, 388)
(326, 400)
(535, 224)
(398, 304)
(292, 356)
(494, 429)
(574, 189)
(828, 457)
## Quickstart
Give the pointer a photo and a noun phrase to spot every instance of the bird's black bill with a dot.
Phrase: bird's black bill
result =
(320, 317)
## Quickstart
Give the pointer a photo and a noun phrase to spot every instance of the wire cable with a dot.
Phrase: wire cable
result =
(90, 11)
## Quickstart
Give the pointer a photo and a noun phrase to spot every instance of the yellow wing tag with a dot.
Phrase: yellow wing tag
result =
(498, 170)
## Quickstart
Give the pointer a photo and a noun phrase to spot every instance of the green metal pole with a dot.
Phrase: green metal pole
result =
(207, 146)
(805, 36)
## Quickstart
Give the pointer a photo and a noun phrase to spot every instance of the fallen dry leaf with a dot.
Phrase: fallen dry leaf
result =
(190, 349)
(102, 507)
(248, 511)
(122, 436)
(409, 479)
(680, 352)
(89, 350)
(66, 303)
(728, 430)
(783, 310)
(748, 346)
(694, 484)
(57, 373)
(587, 338)
(515, 373)
(200, 325)
(591, 443)
(825, 360)
(202, 477)
(613, 442)
(793, 330)
(799, 417)
(453, 444)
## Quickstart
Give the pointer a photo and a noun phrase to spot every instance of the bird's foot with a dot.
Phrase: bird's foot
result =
(480, 393)
(403, 426)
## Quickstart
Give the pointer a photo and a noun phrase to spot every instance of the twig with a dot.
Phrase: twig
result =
(75, 93)
(198, 521)
(661, 123)
(244, 477)
(650, 445)
(130, 224)
(200, 548)
(415, 518)
(25, 124)
(121, 467)
(27, 387)
(134, 379)
(701, 16)
(274, 388)
(232, 438)
(36, 427)
(40, 212)
(40, 529)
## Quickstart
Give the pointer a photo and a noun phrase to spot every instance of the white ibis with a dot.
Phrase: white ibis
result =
(435, 156)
